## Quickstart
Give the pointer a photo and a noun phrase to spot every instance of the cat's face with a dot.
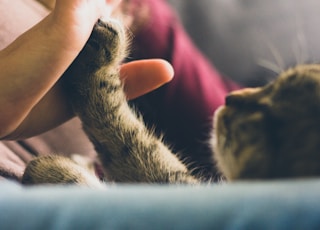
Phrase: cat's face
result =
(272, 131)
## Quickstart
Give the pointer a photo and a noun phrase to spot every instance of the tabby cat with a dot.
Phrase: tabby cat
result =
(272, 131)
(268, 132)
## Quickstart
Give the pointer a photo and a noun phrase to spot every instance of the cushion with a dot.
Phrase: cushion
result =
(292, 204)
(245, 39)
(18, 16)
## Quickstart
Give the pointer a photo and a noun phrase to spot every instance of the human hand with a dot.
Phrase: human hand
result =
(75, 18)
(42, 54)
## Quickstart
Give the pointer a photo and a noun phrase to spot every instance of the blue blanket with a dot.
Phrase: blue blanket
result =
(246, 205)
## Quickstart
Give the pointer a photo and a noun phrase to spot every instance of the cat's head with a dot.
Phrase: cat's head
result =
(272, 131)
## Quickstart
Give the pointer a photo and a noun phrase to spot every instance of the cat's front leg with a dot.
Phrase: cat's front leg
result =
(128, 150)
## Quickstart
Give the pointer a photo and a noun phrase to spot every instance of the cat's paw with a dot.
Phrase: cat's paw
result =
(107, 43)
(54, 169)
(99, 59)
(106, 46)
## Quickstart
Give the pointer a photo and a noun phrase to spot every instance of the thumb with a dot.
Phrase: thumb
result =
(143, 76)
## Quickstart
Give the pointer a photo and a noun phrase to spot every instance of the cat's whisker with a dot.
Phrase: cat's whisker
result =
(269, 66)
(279, 65)
(277, 56)
(299, 49)
(300, 46)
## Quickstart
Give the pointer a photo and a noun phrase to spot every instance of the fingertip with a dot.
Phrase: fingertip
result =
(165, 69)
(143, 76)
(159, 69)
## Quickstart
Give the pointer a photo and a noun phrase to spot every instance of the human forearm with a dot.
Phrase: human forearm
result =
(51, 111)
(35, 61)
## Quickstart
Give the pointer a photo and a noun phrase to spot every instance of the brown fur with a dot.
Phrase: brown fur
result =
(263, 133)
(272, 131)
(128, 151)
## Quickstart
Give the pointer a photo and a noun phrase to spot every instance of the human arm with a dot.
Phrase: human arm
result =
(32, 65)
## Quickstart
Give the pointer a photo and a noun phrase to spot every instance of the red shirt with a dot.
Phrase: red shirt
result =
(183, 109)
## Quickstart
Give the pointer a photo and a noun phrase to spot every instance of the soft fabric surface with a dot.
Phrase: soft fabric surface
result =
(16, 17)
(255, 205)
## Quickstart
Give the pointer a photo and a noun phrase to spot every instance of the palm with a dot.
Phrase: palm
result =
(79, 16)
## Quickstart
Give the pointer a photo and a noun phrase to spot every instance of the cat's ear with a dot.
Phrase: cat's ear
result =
(240, 96)
(248, 96)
